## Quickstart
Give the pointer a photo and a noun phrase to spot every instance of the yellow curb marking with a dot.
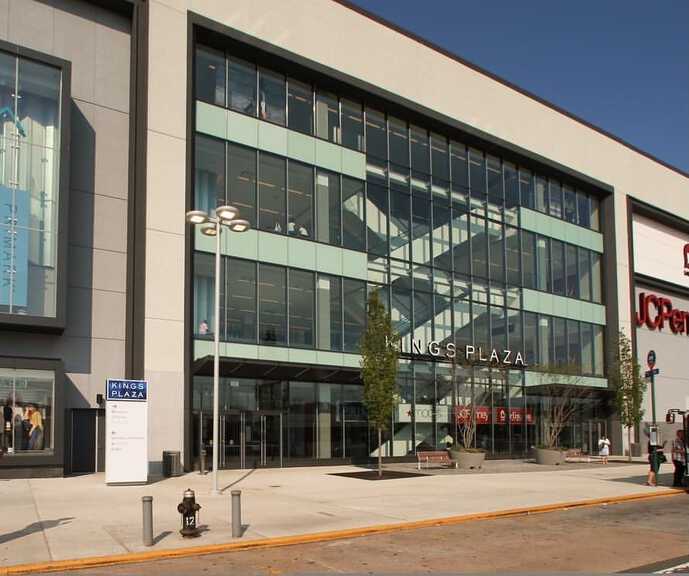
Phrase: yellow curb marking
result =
(137, 557)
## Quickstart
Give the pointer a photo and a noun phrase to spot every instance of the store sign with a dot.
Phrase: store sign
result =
(126, 431)
(469, 354)
(423, 413)
(483, 415)
(656, 312)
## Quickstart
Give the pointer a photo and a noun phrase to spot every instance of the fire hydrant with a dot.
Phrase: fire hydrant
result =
(189, 509)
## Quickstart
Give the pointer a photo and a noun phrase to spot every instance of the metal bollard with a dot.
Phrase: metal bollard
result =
(236, 513)
(202, 464)
(147, 502)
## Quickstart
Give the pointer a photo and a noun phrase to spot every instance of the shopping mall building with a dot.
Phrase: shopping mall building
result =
(365, 159)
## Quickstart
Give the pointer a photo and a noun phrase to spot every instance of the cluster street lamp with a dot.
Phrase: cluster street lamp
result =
(225, 215)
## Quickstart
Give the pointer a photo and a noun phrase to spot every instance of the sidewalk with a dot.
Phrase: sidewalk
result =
(63, 518)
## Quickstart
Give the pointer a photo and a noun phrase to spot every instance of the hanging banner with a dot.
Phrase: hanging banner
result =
(126, 432)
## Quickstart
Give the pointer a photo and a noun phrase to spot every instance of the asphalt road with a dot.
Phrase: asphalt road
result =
(645, 536)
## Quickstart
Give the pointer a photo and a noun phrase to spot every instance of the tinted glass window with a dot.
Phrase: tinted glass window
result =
(529, 259)
(376, 135)
(442, 255)
(596, 287)
(586, 348)
(329, 313)
(327, 117)
(210, 75)
(272, 299)
(511, 193)
(460, 240)
(271, 194)
(242, 86)
(558, 266)
(584, 211)
(584, 274)
(301, 305)
(543, 263)
(421, 230)
(352, 125)
(420, 156)
(497, 251)
(300, 102)
(459, 170)
(546, 356)
(573, 344)
(439, 157)
(377, 219)
(354, 313)
(400, 224)
(594, 205)
(560, 341)
(571, 259)
(271, 97)
(399, 142)
(526, 190)
(570, 199)
(209, 181)
(240, 321)
(479, 247)
(300, 218)
(513, 252)
(353, 219)
(328, 207)
(555, 199)
(530, 338)
(541, 194)
(241, 179)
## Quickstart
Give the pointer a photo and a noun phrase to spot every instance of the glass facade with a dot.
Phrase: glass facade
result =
(439, 224)
(29, 186)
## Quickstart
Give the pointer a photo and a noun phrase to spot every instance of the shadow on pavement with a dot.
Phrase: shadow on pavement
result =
(238, 480)
(161, 536)
(33, 528)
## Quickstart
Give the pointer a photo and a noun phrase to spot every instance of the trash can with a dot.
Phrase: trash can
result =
(172, 463)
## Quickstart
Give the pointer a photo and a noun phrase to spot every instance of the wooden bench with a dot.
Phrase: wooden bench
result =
(440, 457)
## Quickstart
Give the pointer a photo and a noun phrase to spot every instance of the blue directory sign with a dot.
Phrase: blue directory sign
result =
(132, 390)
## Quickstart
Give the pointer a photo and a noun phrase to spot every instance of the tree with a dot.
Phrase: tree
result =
(379, 351)
(625, 377)
(560, 398)
(467, 401)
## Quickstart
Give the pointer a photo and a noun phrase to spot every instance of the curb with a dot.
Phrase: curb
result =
(137, 557)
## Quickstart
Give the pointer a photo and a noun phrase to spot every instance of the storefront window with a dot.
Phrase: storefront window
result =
(27, 398)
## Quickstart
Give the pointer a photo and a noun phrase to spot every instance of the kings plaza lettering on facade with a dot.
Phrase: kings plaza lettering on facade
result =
(471, 354)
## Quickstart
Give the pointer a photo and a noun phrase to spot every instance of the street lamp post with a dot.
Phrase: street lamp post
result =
(225, 215)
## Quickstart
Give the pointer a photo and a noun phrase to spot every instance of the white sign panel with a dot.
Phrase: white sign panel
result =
(126, 432)
(659, 251)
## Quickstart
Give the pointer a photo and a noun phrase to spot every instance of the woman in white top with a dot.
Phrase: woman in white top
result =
(604, 448)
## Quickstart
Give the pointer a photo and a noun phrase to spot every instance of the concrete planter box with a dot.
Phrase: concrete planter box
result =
(468, 460)
(549, 456)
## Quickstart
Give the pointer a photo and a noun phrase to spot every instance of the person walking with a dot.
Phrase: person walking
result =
(655, 459)
(679, 459)
(604, 448)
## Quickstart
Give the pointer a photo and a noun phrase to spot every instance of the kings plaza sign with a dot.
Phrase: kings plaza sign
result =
(467, 355)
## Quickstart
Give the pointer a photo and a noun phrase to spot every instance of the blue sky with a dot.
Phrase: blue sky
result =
(622, 65)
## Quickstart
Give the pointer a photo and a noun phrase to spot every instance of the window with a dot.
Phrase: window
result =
(271, 97)
(460, 240)
(400, 311)
(327, 117)
(204, 293)
(572, 275)
(584, 211)
(514, 330)
(512, 252)
(497, 252)
(481, 325)
(541, 194)
(586, 348)
(555, 199)
(560, 341)
(543, 264)
(352, 125)
(400, 225)
(594, 205)
(423, 316)
(353, 219)
(241, 181)
(570, 199)
(399, 142)
(598, 352)
(495, 190)
(271, 193)
(526, 190)
(301, 304)
(573, 345)
(209, 185)
(596, 288)
(376, 136)
(210, 75)
(240, 323)
(511, 193)
(30, 95)
(28, 398)
(545, 341)
(529, 259)
(557, 255)
(354, 313)
(329, 313)
(300, 185)
(439, 158)
(479, 247)
(584, 274)
(477, 181)
(421, 230)
(498, 327)
(462, 322)
(442, 246)
(377, 219)
(242, 86)
(530, 338)
(272, 299)
(420, 157)
(328, 207)
(459, 171)
(300, 102)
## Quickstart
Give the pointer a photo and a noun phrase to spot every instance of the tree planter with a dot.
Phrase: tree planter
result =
(549, 456)
(468, 460)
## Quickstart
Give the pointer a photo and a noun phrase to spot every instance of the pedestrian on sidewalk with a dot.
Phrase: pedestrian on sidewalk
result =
(679, 459)
(655, 459)
(604, 448)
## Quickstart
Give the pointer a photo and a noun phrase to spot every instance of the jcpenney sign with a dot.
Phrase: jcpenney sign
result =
(656, 312)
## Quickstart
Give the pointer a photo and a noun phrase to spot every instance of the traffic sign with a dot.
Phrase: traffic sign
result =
(651, 373)
(651, 359)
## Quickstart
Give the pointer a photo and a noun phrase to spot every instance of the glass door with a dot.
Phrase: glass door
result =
(259, 442)
(232, 442)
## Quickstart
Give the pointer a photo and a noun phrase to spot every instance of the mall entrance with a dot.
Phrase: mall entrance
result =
(250, 440)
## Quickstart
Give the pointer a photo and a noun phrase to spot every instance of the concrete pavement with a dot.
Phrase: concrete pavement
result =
(77, 517)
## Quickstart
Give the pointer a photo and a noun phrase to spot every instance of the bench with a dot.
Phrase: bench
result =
(440, 457)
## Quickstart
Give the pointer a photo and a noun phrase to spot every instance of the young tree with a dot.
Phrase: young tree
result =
(625, 378)
(379, 351)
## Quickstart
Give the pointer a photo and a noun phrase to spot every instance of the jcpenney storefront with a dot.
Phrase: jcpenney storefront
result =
(661, 306)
